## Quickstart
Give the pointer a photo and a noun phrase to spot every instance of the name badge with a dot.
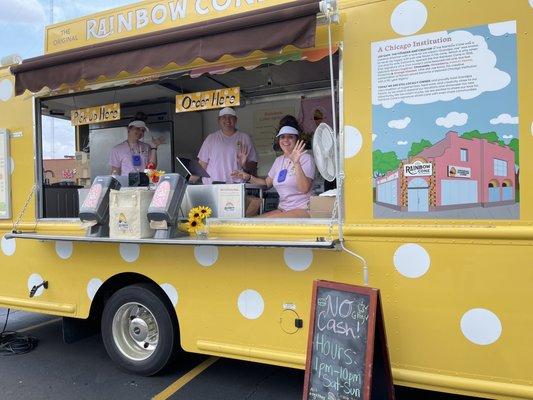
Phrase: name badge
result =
(136, 160)
(282, 175)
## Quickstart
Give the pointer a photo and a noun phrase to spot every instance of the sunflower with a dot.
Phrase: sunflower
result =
(193, 226)
(205, 212)
(195, 214)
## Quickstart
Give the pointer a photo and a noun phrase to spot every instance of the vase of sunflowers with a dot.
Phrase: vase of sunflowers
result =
(196, 223)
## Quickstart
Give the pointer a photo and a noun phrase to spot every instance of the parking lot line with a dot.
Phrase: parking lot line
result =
(29, 328)
(189, 376)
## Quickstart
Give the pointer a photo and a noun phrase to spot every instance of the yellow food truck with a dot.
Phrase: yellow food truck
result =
(415, 112)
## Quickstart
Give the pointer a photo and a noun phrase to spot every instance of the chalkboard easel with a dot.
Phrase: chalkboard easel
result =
(347, 355)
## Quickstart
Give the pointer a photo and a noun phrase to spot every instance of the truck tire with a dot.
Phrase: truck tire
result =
(139, 329)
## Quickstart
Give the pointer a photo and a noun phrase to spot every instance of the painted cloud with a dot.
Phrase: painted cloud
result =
(504, 119)
(477, 72)
(502, 28)
(399, 123)
(452, 119)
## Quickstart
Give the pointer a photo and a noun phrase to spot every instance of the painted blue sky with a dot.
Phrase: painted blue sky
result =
(480, 110)
(22, 22)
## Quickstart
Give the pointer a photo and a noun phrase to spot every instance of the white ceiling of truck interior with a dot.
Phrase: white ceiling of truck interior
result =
(265, 80)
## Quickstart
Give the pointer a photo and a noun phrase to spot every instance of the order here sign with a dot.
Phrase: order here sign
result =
(199, 101)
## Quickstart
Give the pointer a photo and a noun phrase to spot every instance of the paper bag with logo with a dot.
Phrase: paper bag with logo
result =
(127, 213)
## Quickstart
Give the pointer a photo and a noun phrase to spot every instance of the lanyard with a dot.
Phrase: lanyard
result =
(136, 159)
(132, 151)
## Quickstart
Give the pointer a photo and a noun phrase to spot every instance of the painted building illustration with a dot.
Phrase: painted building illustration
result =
(453, 173)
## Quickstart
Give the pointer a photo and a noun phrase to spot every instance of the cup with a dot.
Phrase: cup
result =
(202, 232)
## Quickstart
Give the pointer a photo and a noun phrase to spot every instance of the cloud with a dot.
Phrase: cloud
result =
(58, 138)
(399, 123)
(469, 77)
(76, 9)
(507, 136)
(504, 119)
(502, 28)
(452, 119)
(374, 136)
(82, 8)
(402, 143)
(27, 12)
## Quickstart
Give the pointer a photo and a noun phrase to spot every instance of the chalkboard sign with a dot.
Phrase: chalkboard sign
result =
(347, 357)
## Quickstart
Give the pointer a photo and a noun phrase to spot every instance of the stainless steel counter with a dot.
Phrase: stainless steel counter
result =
(318, 243)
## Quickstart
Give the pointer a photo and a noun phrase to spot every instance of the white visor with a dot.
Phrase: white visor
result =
(287, 130)
(227, 111)
(139, 124)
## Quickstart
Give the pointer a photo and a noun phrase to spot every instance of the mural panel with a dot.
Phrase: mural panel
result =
(445, 125)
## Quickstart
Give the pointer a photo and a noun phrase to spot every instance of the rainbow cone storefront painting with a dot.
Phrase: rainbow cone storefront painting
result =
(445, 125)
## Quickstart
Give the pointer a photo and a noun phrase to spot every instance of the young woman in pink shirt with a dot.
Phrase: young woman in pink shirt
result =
(291, 175)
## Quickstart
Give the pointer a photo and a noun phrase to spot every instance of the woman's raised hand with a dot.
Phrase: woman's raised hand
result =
(297, 152)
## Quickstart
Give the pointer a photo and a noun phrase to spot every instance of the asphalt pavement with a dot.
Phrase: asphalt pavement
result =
(82, 370)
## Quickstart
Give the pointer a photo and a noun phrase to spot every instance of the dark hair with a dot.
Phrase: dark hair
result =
(139, 116)
(289, 120)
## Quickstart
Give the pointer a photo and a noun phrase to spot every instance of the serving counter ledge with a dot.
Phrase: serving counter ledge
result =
(317, 243)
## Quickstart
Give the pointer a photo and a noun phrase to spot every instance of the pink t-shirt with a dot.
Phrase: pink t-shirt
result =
(220, 153)
(289, 196)
(121, 157)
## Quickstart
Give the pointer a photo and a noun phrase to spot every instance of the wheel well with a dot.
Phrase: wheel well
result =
(117, 282)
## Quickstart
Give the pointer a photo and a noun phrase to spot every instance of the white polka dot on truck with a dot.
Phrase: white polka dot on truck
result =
(411, 260)
(206, 255)
(408, 17)
(481, 326)
(250, 304)
(129, 251)
(353, 141)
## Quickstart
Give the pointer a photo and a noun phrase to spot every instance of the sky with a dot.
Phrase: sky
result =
(22, 25)
(22, 22)
(493, 108)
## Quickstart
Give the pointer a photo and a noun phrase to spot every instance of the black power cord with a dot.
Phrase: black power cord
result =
(13, 343)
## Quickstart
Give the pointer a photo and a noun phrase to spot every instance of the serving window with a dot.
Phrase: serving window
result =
(70, 157)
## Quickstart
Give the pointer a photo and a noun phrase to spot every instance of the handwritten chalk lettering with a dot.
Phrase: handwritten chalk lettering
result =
(332, 325)
(338, 348)
(361, 314)
(339, 351)
(330, 373)
(313, 395)
(342, 308)
(335, 351)
(339, 378)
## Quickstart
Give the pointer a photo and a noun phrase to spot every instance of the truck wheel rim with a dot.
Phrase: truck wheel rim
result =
(135, 331)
